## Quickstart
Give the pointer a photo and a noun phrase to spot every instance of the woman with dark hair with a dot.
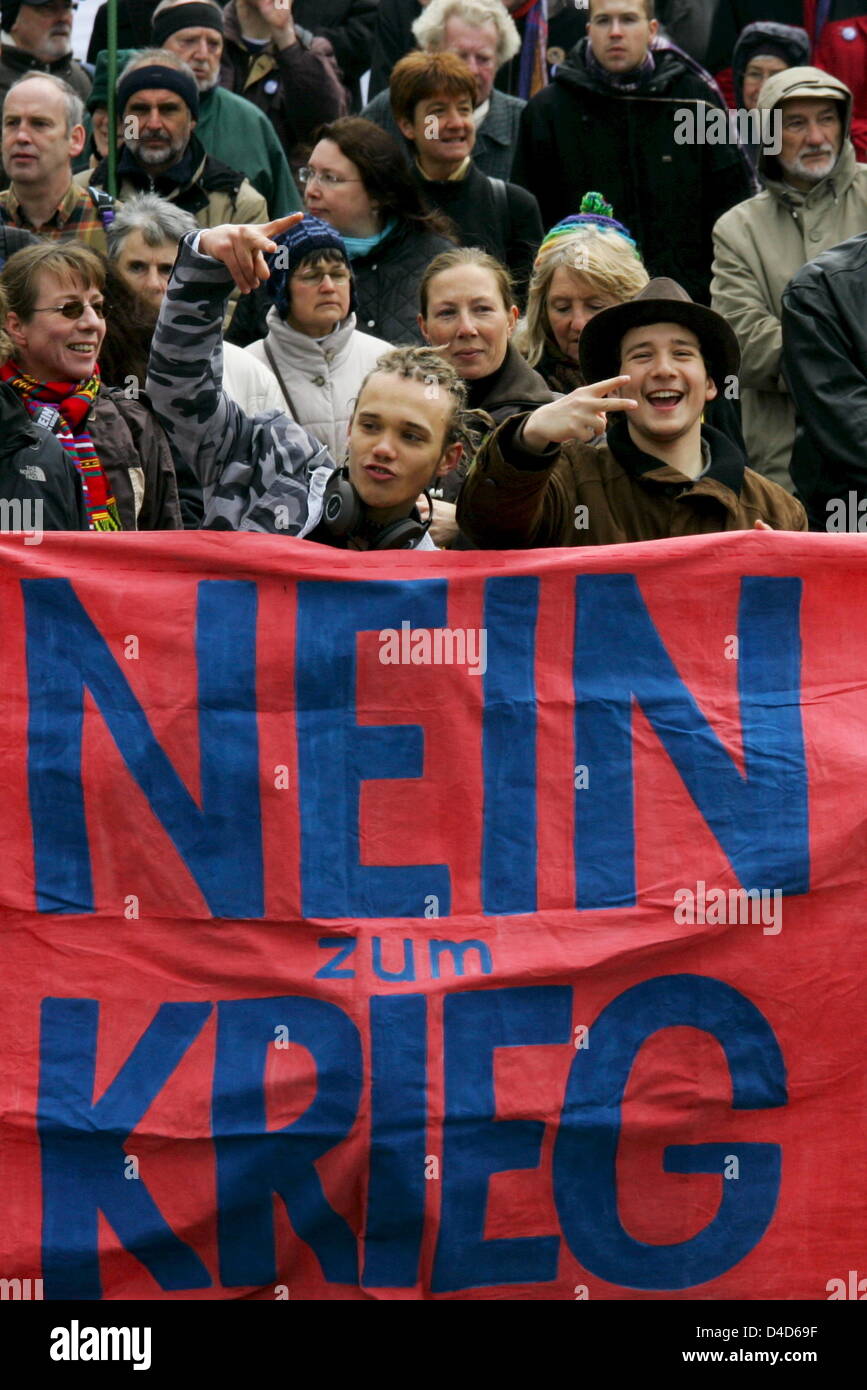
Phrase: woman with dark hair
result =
(356, 179)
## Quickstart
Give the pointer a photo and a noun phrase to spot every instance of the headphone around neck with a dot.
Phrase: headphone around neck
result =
(344, 515)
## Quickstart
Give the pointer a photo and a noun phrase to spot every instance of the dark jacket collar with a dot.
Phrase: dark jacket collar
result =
(23, 62)
(727, 463)
(514, 386)
(16, 424)
(196, 167)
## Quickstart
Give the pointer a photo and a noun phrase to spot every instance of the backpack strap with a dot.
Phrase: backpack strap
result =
(280, 382)
(501, 199)
(104, 204)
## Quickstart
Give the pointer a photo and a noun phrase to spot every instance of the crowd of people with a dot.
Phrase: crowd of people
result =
(463, 274)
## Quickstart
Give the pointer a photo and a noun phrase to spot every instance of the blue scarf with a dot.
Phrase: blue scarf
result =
(361, 245)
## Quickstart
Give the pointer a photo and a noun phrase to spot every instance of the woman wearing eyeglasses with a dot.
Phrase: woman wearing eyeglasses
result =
(312, 346)
(56, 325)
(357, 180)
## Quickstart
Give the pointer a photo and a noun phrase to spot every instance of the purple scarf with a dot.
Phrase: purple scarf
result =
(621, 81)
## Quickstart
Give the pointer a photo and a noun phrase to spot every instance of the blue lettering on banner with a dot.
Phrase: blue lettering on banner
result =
(83, 1154)
(760, 820)
(253, 1163)
(336, 754)
(475, 1144)
(221, 844)
(509, 747)
(83, 1142)
(585, 1152)
(398, 1115)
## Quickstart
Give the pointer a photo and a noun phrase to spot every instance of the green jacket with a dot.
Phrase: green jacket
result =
(237, 132)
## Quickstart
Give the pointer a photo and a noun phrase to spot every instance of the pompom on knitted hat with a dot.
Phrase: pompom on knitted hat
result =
(310, 234)
(594, 212)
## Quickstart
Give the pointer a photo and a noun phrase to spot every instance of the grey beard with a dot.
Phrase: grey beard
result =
(800, 171)
(207, 84)
(155, 155)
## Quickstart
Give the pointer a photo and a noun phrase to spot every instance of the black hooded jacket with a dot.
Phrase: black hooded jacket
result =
(35, 468)
(794, 42)
(581, 134)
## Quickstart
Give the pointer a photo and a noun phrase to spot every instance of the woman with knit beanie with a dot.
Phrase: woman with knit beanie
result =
(312, 346)
(586, 263)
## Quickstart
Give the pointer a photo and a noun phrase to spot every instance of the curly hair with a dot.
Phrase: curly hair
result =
(425, 365)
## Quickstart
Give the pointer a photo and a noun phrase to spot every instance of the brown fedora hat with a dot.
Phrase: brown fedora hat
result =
(661, 301)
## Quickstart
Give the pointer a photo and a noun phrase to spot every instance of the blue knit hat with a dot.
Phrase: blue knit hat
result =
(307, 235)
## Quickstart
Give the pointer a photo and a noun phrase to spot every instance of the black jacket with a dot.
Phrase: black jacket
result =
(13, 239)
(731, 17)
(348, 25)
(508, 226)
(825, 366)
(34, 467)
(577, 136)
(133, 27)
(387, 281)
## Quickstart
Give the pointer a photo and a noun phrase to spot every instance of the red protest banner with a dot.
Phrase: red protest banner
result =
(449, 926)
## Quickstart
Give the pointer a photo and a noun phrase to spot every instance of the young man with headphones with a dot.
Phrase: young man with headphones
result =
(266, 473)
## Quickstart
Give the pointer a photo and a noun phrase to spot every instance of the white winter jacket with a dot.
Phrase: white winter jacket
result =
(321, 375)
(250, 385)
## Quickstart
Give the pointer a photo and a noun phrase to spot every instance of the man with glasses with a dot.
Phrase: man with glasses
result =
(38, 36)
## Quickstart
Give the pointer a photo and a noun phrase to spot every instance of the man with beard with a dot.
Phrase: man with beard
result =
(815, 196)
(38, 36)
(158, 104)
(230, 128)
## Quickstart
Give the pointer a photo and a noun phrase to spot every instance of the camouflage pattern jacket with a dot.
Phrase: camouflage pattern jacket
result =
(257, 472)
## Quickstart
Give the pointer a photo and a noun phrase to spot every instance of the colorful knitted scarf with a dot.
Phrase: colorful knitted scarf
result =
(533, 70)
(53, 402)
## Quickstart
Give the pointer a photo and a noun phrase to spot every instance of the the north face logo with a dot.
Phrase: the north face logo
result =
(33, 472)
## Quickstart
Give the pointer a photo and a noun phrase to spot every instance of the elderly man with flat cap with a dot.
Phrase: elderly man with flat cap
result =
(37, 37)
(547, 478)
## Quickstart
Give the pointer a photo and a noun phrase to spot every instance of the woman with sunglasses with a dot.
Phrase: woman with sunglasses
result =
(56, 325)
